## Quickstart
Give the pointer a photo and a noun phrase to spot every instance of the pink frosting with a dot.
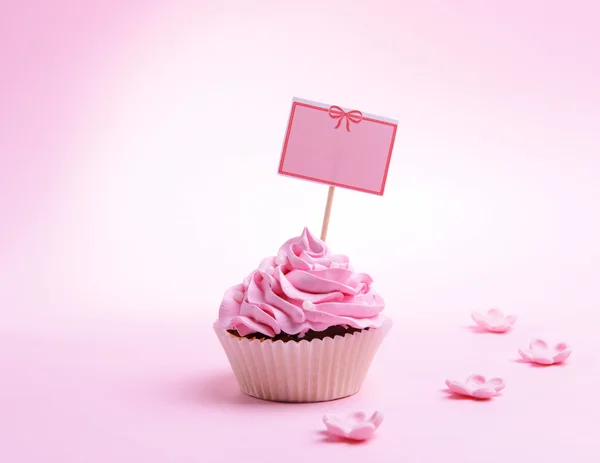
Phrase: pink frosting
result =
(304, 287)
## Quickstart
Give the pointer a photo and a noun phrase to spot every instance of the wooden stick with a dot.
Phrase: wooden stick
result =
(327, 213)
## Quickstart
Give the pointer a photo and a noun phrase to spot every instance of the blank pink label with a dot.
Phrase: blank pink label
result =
(338, 146)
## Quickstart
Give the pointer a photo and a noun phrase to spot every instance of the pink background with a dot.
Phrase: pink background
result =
(138, 144)
(354, 156)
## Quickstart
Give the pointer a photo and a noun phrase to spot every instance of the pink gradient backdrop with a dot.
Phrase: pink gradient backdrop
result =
(139, 144)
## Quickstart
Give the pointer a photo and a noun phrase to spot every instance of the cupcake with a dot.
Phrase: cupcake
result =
(303, 327)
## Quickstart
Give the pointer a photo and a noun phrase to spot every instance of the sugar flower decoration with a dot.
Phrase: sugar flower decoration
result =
(477, 387)
(355, 426)
(494, 320)
(540, 352)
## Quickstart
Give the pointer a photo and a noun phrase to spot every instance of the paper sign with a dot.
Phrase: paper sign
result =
(342, 147)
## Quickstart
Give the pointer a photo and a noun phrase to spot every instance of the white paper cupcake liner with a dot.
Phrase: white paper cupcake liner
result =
(305, 371)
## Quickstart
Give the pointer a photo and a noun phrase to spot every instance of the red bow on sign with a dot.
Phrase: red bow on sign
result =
(351, 116)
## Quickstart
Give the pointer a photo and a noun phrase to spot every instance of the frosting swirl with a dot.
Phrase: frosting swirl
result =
(305, 287)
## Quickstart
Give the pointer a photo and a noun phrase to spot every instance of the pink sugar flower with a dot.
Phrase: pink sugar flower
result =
(494, 320)
(355, 426)
(477, 387)
(539, 352)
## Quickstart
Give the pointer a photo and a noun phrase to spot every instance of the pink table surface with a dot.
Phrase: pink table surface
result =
(91, 391)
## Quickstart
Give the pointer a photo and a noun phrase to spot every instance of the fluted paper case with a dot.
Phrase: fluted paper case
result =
(305, 371)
